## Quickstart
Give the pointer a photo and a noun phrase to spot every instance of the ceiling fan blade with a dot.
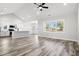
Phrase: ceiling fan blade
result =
(43, 4)
(45, 7)
(36, 4)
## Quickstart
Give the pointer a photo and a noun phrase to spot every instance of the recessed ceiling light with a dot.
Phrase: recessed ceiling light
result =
(5, 8)
(65, 4)
(22, 17)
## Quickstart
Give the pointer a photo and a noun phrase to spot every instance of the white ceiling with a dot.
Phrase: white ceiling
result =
(30, 11)
(60, 8)
(6, 8)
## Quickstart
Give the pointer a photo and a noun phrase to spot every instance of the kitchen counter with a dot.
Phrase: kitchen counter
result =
(15, 34)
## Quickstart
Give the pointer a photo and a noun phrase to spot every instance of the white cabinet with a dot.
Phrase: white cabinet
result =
(6, 33)
(19, 34)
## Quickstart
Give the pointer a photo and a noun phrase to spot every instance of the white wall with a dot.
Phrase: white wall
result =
(78, 23)
(30, 26)
(10, 19)
(70, 21)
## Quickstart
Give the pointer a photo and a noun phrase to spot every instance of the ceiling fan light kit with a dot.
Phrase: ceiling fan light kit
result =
(41, 6)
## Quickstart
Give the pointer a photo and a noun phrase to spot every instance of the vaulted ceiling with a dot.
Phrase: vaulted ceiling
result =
(28, 11)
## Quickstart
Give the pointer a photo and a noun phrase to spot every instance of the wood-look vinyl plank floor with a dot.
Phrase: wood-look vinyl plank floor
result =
(32, 46)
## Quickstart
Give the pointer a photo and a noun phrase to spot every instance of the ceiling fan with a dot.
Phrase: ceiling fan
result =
(41, 6)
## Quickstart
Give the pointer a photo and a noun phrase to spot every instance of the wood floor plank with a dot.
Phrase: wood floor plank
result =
(34, 46)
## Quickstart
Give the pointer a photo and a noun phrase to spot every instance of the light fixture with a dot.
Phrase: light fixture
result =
(40, 7)
(5, 8)
(65, 4)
